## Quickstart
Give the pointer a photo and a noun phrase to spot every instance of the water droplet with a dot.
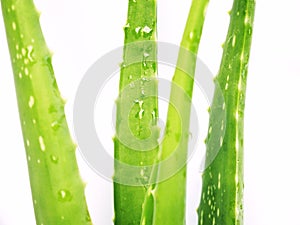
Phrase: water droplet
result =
(155, 115)
(233, 40)
(87, 217)
(55, 125)
(23, 51)
(250, 30)
(27, 143)
(54, 159)
(140, 114)
(154, 118)
(142, 172)
(145, 65)
(132, 85)
(137, 31)
(191, 35)
(26, 71)
(64, 195)
(242, 57)
(48, 63)
(14, 26)
(147, 31)
(31, 101)
(141, 103)
(30, 53)
(127, 26)
(42, 144)
(145, 79)
(123, 65)
(221, 141)
(226, 86)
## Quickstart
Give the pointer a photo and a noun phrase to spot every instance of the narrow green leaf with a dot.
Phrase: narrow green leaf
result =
(136, 110)
(165, 201)
(222, 188)
(57, 189)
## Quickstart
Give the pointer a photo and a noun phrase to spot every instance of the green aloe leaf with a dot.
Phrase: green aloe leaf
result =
(222, 188)
(165, 201)
(137, 112)
(57, 189)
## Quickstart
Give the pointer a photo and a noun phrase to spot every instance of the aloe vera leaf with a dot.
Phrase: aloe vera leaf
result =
(222, 188)
(139, 77)
(165, 201)
(57, 189)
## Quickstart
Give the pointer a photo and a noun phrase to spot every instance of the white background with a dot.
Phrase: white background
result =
(79, 32)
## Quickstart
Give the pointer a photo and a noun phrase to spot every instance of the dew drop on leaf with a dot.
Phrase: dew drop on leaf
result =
(30, 53)
(54, 159)
(88, 218)
(55, 125)
(42, 144)
(132, 85)
(250, 30)
(147, 31)
(48, 63)
(14, 26)
(26, 71)
(126, 27)
(64, 195)
(191, 35)
(23, 51)
(137, 32)
(146, 54)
